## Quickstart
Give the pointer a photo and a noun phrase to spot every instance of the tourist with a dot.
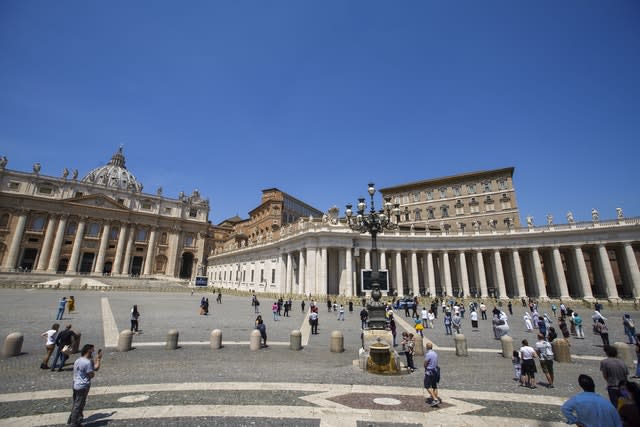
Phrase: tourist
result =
(637, 375)
(341, 313)
(329, 305)
(71, 304)
(596, 317)
(424, 315)
(527, 322)
(287, 308)
(64, 339)
(554, 308)
(84, 369)
(589, 408)
(431, 316)
(577, 320)
(255, 303)
(562, 324)
(474, 319)
(260, 326)
(414, 308)
(601, 328)
(510, 305)
(613, 371)
(302, 306)
(534, 318)
(456, 322)
(527, 355)
(552, 334)
(545, 354)
(392, 328)
(135, 315)
(408, 344)
(418, 327)
(219, 298)
(50, 344)
(364, 316)
(629, 328)
(274, 310)
(447, 323)
(61, 305)
(629, 404)
(542, 326)
(313, 321)
(431, 375)
(517, 366)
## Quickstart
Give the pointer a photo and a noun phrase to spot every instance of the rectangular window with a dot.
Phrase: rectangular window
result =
(430, 195)
(444, 211)
(416, 197)
(146, 206)
(471, 189)
(443, 193)
(15, 186)
(487, 185)
(261, 275)
(45, 190)
(459, 210)
(252, 271)
(474, 208)
(193, 213)
(489, 207)
(456, 191)
(79, 194)
(506, 204)
(93, 229)
(167, 211)
(244, 276)
(141, 235)
(502, 184)
(417, 214)
(188, 241)
(37, 224)
(405, 199)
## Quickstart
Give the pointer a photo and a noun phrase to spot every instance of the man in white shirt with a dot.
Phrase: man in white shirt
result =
(424, 315)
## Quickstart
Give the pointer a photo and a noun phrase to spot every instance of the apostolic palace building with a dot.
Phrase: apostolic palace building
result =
(457, 236)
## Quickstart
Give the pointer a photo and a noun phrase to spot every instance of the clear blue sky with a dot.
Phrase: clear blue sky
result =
(319, 97)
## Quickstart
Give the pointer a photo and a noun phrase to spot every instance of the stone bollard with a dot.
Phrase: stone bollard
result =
(254, 340)
(75, 344)
(561, 350)
(461, 345)
(13, 344)
(124, 340)
(216, 339)
(625, 353)
(295, 340)
(507, 346)
(418, 349)
(337, 342)
(172, 339)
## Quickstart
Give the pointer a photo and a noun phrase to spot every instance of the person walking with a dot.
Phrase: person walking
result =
(84, 369)
(474, 319)
(65, 338)
(613, 371)
(589, 408)
(517, 366)
(527, 322)
(577, 320)
(603, 330)
(629, 328)
(61, 306)
(545, 354)
(364, 316)
(392, 328)
(424, 315)
(219, 298)
(274, 310)
(313, 320)
(50, 344)
(527, 355)
(431, 375)
(447, 323)
(510, 306)
(483, 311)
(430, 318)
(456, 323)
(135, 315)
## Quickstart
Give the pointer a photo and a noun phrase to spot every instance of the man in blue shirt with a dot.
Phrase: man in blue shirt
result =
(431, 375)
(589, 409)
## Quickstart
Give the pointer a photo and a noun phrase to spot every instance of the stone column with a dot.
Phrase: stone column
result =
(286, 271)
(447, 273)
(464, 277)
(583, 275)
(151, 251)
(559, 272)
(383, 260)
(539, 275)
(497, 263)
(415, 281)
(43, 259)
(127, 255)
(519, 276)
(57, 245)
(342, 270)
(607, 273)
(632, 268)
(310, 284)
(302, 273)
(321, 283)
(117, 262)
(367, 260)
(174, 246)
(77, 245)
(399, 278)
(103, 249)
(431, 279)
(348, 286)
(481, 275)
(14, 249)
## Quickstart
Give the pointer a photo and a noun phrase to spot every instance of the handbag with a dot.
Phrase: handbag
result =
(66, 350)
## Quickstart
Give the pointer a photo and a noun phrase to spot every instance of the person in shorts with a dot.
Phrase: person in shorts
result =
(431, 375)
(528, 356)
(545, 353)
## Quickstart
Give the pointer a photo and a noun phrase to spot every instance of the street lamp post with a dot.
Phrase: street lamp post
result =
(374, 222)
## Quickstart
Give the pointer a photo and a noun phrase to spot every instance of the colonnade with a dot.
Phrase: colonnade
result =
(569, 271)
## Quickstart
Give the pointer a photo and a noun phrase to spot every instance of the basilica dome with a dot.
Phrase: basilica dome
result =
(114, 175)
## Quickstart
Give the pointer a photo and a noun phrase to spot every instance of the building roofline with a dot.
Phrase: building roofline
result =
(289, 196)
(459, 177)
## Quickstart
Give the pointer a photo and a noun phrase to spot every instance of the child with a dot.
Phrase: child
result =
(419, 327)
(517, 367)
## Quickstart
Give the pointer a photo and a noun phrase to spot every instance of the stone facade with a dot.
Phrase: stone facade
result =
(102, 224)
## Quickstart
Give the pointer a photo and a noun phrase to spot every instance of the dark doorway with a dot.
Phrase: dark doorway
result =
(62, 265)
(107, 267)
(28, 258)
(187, 265)
(136, 266)
(87, 262)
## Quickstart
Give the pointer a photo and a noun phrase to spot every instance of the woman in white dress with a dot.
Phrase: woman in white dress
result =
(527, 322)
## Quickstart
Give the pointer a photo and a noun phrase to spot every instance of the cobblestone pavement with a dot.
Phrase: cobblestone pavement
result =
(195, 385)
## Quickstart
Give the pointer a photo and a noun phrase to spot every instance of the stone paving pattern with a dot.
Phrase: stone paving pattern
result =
(482, 381)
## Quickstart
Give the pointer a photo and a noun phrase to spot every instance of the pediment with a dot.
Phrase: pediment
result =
(97, 200)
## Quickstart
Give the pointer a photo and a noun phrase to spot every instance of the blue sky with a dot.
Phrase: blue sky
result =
(319, 98)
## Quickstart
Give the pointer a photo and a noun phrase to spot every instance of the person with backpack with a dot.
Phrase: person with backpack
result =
(545, 354)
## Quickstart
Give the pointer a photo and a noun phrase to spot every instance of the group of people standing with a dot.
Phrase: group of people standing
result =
(64, 303)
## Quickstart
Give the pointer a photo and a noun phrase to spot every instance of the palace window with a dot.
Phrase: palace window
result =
(193, 212)
(37, 223)
(431, 214)
(505, 202)
(443, 193)
(167, 211)
(93, 230)
(146, 206)
(4, 221)
(405, 199)
(417, 214)
(14, 186)
(429, 195)
(113, 234)
(459, 208)
(141, 235)
(456, 191)
(486, 186)
(471, 189)
(163, 238)
(188, 240)
(489, 207)
(444, 211)
(45, 189)
(416, 197)
(71, 228)
(502, 184)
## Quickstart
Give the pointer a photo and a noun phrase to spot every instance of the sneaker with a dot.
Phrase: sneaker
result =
(429, 400)
(435, 402)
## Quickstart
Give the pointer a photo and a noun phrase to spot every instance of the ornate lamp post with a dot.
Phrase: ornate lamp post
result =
(373, 223)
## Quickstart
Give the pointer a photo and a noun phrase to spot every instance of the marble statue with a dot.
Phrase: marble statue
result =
(65, 173)
(619, 213)
(570, 219)
(529, 221)
(159, 191)
(595, 216)
(549, 219)
(492, 223)
(476, 225)
(36, 168)
(3, 162)
(74, 174)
